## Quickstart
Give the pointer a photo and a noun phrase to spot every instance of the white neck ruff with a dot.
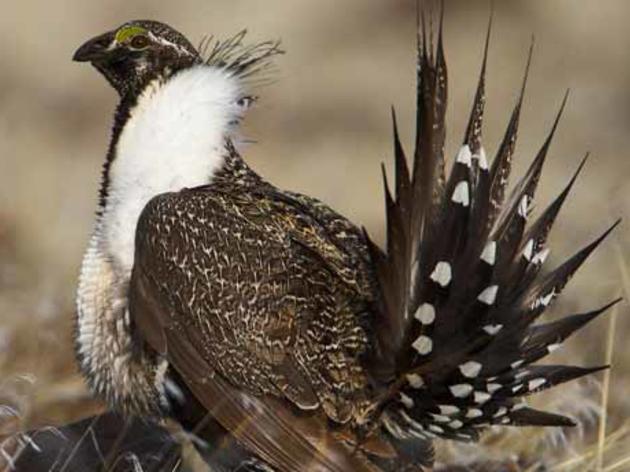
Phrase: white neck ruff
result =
(173, 139)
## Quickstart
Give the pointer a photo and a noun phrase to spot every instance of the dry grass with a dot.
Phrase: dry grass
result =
(323, 124)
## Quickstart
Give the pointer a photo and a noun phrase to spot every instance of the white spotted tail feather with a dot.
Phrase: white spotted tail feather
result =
(460, 282)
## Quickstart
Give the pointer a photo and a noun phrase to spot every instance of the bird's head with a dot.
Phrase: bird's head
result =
(137, 52)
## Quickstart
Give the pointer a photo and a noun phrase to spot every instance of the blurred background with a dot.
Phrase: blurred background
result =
(322, 127)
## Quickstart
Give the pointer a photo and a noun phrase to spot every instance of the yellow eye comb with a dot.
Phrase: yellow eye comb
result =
(126, 32)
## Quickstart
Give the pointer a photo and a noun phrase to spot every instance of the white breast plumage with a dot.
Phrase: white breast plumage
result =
(173, 139)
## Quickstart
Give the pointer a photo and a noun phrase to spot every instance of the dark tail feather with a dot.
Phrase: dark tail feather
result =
(543, 339)
(530, 417)
(509, 231)
(502, 164)
(532, 250)
(472, 138)
(460, 281)
(543, 292)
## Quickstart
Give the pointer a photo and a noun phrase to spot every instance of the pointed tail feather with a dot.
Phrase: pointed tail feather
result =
(460, 279)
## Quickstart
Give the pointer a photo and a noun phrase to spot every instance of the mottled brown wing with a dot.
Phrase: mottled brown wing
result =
(263, 425)
(240, 350)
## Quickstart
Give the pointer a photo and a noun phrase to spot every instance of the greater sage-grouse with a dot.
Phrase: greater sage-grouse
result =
(271, 326)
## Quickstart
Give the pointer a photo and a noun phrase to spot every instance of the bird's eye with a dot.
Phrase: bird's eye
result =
(139, 41)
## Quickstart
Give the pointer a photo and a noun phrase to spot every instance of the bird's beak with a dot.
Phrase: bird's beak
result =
(96, 49)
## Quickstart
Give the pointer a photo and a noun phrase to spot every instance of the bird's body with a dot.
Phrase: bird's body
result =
(306, 344)
(249, 234)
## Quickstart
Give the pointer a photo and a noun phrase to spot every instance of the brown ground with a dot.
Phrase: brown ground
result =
(322, 128)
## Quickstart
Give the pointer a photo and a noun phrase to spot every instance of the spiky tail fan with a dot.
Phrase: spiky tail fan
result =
(461, 282)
